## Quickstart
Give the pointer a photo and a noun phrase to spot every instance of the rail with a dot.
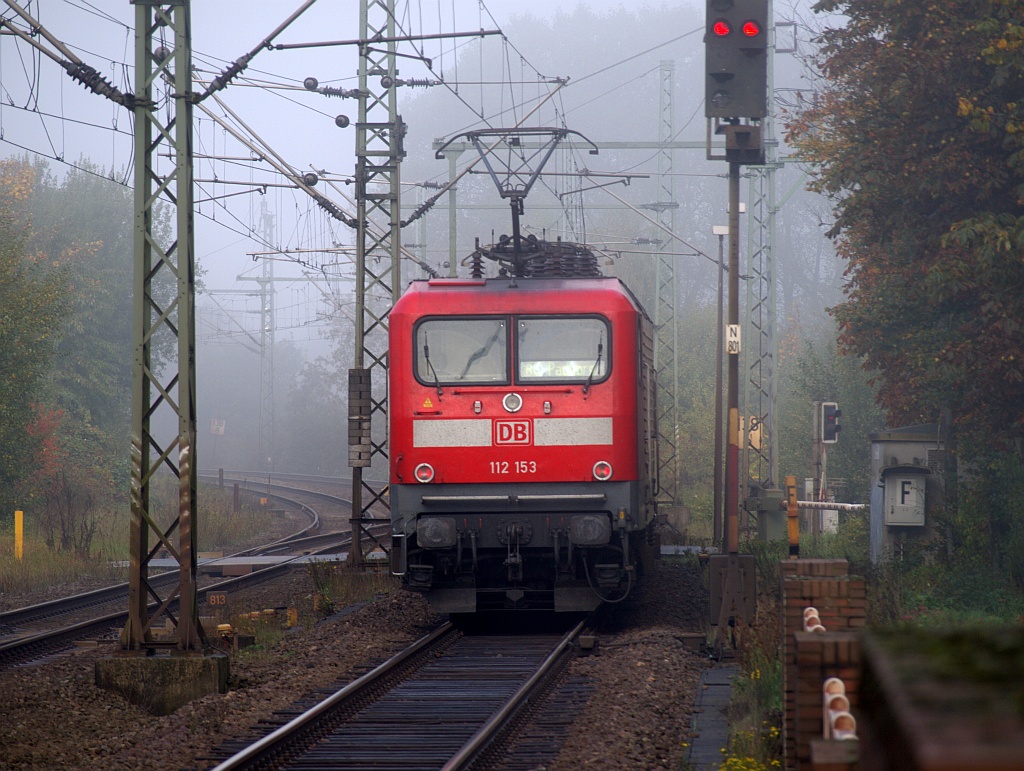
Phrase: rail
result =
(272, 742)
(489, 730)
(431, 711)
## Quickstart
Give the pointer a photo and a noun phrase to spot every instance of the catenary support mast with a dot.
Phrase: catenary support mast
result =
(666, 340)
(163, 366)
(379, 137)
(762, 441)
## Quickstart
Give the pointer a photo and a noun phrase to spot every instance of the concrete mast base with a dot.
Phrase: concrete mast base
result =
(163, 682)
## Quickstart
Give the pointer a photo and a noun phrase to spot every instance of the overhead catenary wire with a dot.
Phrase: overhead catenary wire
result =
(521, 102)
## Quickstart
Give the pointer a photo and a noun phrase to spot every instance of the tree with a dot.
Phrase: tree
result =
(814, 370)
(65, 342)
(315, 425)
(917, 134)
(31, 301)
(87, 218)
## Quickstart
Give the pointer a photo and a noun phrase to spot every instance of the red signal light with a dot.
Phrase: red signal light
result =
(721, 28)
(751, 28)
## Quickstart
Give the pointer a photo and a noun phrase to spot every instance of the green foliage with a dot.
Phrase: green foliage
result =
(755, 708)
(32, 292)
(66, 344)
(916, 135)
(695, 436)
(85, 220)
(988, 524)
(336, 587)
(976, 595)
(814, 369)
(316, 410)
(849, 543)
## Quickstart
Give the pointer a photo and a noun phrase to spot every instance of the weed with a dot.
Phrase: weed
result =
(755, 711)
(44, 564)
(335, 587)
(40, 566)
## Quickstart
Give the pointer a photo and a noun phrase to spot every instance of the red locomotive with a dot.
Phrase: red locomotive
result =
(522, 437)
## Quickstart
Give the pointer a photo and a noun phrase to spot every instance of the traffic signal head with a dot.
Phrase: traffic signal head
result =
(736, 59)
(830, 428)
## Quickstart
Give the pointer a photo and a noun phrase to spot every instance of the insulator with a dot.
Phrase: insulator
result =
(538, 258)
(419, 83)
(476, 265)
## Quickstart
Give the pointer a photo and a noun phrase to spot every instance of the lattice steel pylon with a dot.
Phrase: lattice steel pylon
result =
(761, 449)
(268, 341)
(379, 138)
(163, 367)
(572, 223)
(666, 340)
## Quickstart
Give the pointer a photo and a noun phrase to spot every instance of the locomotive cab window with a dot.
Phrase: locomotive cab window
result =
(461, 350)
(562, 349)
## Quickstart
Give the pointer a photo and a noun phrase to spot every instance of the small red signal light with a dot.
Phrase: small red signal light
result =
(751, 28)
(721, 28)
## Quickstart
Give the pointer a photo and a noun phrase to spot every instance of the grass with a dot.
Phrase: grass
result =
(755, 709)
(336, 586)
(921, 590)
(267, 631)
(222, 527)
(40, 567)
(219, 528)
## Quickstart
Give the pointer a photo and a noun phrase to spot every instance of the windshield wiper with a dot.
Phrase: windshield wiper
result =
(481, 352)
(426, 357)
(597, 363)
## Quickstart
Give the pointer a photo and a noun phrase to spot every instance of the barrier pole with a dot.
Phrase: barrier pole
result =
(793, 517)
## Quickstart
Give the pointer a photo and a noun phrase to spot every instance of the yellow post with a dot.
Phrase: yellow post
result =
(19, 534)
(793, 517)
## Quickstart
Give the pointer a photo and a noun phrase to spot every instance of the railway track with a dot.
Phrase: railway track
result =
(319, 487)
(100, 614)
(446, 701)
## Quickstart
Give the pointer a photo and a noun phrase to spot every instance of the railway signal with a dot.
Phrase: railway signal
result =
(830, 428)
(736, 59)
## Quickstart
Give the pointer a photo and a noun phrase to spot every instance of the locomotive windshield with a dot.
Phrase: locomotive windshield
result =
(462, 350)
(562, 349)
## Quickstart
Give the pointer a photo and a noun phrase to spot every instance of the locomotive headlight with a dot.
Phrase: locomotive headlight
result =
(424, 473)
(590, 530)
(512, 402)
(602, 471)
(436, 532)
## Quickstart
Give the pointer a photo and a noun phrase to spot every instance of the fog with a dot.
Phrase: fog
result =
(611, 59)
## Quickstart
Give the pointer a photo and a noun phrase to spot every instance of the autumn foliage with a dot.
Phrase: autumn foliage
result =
(917, 135)
(65, 347)
(31, 293)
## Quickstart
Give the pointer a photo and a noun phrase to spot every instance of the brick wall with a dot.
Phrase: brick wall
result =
(811, 657)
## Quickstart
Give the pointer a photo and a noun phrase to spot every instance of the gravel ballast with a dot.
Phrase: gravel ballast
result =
(643, 676)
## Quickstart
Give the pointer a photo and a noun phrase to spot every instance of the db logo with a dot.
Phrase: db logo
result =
(512, 432)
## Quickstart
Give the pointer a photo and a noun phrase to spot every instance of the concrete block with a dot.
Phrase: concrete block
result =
(163, 682)
(830, 755)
